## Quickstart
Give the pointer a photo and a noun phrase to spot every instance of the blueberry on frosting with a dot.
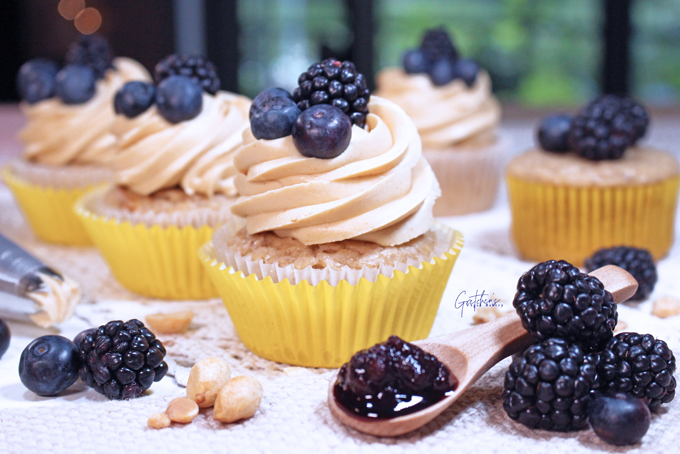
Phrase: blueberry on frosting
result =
(322, 131)
(134, 98)
(75, 84)
(36, 80)
(179, 98)
(272, 114)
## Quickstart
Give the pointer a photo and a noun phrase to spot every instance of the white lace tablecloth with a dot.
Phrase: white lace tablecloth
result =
(294, 416)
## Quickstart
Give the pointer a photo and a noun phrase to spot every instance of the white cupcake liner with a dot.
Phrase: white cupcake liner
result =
(60, 177)
(234, 259)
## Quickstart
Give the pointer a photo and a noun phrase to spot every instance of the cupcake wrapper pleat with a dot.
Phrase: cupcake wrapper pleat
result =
(152, 261)
(323, 325)
(571, 223)
(49, 211)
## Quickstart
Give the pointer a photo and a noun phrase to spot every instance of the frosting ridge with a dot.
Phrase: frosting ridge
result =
(379, 189)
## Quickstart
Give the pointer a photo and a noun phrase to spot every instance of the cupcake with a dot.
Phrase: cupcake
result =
(174, 178)
(339, 249)
(450, 100)
(590, 185)
(67, 137)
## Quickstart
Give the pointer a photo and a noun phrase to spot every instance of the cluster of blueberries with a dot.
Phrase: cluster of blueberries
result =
(40, 79)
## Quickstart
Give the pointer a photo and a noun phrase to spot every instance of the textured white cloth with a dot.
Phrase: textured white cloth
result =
(294, 416)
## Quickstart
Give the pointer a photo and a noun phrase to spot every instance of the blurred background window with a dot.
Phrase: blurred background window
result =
(539, 53)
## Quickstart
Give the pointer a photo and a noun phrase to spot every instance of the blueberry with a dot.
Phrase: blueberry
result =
(274, 118)
(619, 418)
(179, 98)
(467, 70)
(49, 365)
(5, 336)
(553, 132)
(134, 98)
(36, 80)
(415, 62)
(75, 84)
(322, 131)
(265, 96)
(442, 72)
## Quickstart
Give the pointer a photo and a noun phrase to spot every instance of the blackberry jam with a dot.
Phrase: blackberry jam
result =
(392, 379)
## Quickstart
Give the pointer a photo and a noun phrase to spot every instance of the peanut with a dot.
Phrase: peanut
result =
(159, 421)
(238, 399)
(182, 410)
(205, 380)
(666, 306)
(171, 323)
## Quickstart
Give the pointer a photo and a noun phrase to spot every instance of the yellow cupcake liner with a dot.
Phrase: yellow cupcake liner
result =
(322, 325)
(151, 261)
(571, 223)
(49, 211)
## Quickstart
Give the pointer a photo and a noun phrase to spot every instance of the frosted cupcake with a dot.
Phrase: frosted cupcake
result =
(67, 136)
(590, 185)
(450, 101)
(175, 144)
(339, 249)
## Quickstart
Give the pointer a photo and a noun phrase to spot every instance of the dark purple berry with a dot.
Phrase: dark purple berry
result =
(49, 365)
(638, 262)
(322, 131)
(619, 418)
(274, 118)
(415, 62)
(195, 67)
(134, 98)
(178, 98)
(467, 70)
(554, 131)
(5, 337)
(75, 84)
(37, 80)
(442, 72)
(266, 96)
(93, 51)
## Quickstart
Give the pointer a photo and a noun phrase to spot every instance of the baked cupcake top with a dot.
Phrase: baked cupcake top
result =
(596, 147)
(449, 98)
(323, 180)
(69, 110)
(181, 133)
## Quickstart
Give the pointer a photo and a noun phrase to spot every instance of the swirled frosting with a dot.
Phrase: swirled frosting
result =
(197, 154)
(61, 134)
(447, 115)
(380, 189)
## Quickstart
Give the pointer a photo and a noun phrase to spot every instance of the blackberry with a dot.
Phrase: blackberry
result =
(121, 360)
(336, 83)
(549, 385)
(93, 51)
(607, 126)
(554, 299)
(437, 45)
(392, 379)
(638, 262)
(639, 365)
(201, 70)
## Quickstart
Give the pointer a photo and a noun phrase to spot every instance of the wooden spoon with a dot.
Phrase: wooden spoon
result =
(469, 354)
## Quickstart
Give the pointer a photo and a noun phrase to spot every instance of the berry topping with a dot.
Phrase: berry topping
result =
(392, 379)
(335, 83)
(437, 45)
(322, 132)
(197, 68)
(415, 62)
(75, 84)
(179, 98)
(5, 336)
(639, 365)
(273, 114)
(265, 96)
(442, 72)
(548, 386)
(554, 299)
(553, 132)
(36, 80)
(638, 262)
(49, 365)
(606, 127)
(93, 51)
(121, 360)
(134, 98)
(467, 71)
(619, 418)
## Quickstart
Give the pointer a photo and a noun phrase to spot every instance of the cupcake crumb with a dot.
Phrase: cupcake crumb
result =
(666, 306)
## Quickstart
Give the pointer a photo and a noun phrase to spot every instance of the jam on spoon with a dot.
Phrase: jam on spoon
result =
(392, 379)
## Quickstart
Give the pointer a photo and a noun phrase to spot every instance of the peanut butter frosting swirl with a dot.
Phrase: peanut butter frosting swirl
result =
(446, 115)
(379, 189)
(197, 154)
(61, 134)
